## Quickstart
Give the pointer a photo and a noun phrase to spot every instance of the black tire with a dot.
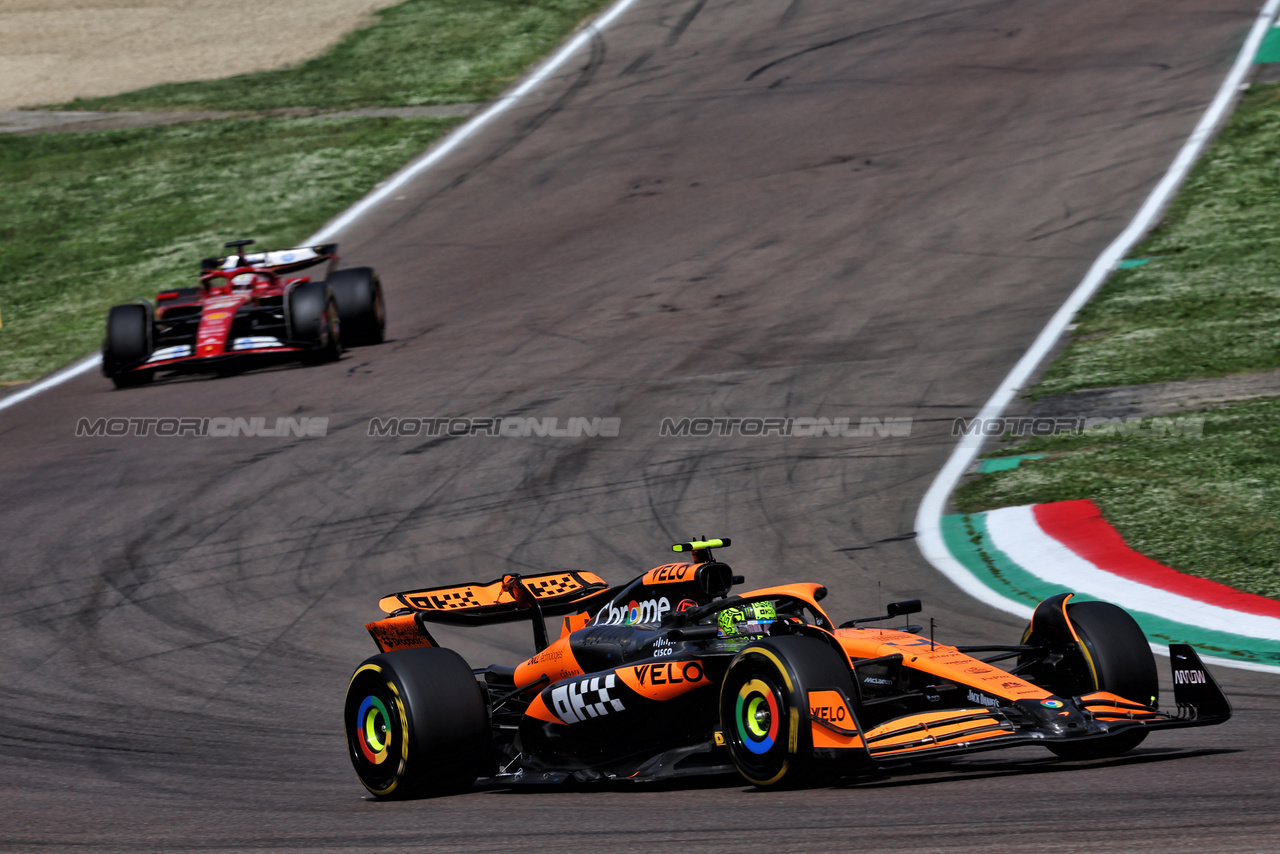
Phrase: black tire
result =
(1121, 662)
(314, 322)
(128, 344)
(133, 379)
(358, 293)
(764, 709)
(417, 724)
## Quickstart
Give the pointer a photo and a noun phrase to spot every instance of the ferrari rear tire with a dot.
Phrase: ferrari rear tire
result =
(764, 709)
(1122, 663)
(358, 293)
(128, 344)
(417, 724)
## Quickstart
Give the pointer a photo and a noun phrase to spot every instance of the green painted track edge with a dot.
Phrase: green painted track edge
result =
(967, 537)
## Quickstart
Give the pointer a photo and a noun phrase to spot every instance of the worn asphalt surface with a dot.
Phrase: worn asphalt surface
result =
(733, 209)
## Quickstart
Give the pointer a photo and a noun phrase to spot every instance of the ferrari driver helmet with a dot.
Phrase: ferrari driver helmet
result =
(751, 618)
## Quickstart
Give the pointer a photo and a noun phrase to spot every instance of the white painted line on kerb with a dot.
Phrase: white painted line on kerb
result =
(396, 181)
(1016, 532)
(56, 378)
(929, 518)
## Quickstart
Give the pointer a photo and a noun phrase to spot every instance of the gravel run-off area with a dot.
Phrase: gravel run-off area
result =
(52, 51)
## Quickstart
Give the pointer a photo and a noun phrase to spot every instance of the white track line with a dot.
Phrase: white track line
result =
(395, 182)
(56, 378)
(929, 518)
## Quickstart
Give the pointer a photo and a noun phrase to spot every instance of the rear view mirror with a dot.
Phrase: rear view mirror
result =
(908, 606)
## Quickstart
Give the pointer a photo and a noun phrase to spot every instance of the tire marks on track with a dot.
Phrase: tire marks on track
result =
(672, 241)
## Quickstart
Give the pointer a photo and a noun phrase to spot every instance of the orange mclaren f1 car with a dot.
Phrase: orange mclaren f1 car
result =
(668, 675)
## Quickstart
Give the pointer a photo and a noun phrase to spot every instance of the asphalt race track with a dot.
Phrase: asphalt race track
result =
(730, 208)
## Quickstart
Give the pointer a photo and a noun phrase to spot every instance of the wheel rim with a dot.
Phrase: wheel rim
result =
(332, 331)
(373, 729)
(758, 719)
(377, 730)
(756, 716)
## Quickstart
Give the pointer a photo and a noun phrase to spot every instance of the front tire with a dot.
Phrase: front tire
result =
(764, 709)
(128, 344)
(416, 723)
(314, 322)
(133, 379)
(1122, 663)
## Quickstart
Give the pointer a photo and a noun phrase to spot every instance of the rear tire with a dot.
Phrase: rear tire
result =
(358, 293)
(1123, 664)
(417, 724)
(128, 344)
(764, 709)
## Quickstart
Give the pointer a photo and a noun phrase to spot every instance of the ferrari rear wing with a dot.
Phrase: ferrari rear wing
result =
(279, 260)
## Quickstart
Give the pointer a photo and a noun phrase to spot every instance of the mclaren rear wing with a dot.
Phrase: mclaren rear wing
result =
(503, 600)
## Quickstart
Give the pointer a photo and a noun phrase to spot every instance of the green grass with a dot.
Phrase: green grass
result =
(1206, 505)
(1209, 305)
(418, 53)
(1206, 304)
(90, 220)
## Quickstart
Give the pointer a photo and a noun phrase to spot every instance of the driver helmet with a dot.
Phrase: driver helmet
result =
(750, 618)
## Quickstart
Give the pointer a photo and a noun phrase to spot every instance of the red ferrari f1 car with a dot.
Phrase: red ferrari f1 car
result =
(668, 675)
(246, 305)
